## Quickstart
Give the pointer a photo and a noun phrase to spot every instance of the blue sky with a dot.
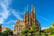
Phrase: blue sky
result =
(13, 10)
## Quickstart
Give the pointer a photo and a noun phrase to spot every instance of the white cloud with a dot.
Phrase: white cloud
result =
(12, 25)
(11, 21)
(44, 18)
(1, 20)
(16, 15)
(6, 2)
(44, 28)
(4, 10)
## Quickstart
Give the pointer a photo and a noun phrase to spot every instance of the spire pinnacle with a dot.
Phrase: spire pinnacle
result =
(34, 9)
(29, 13)
(27, 7)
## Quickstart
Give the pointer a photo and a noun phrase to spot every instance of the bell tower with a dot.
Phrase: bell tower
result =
(29, 21)
(32, 21)
(25, 19)
(34, 17)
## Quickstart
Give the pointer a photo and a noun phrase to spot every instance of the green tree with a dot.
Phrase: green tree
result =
(52, 35)
(53, 24)
(46, 30)
(35, 28)
(30, 31)
(7, 32)
(50, 30)
(24, 31)
(43, 34)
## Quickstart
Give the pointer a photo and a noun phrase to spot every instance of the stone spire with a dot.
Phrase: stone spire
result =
(29, 21)
(32, 8)
(25, 14)
(25, 19)
(34, 17)
(29, 18)
(27, 7)
(27, 11)
(34, 11)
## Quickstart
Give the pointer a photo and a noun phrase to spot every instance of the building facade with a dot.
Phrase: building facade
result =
(18, 27)
(27, 23)
(4, 29)
(0, 28)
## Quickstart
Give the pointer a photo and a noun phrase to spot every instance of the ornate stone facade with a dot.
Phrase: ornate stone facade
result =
(29, 21)
(19, 27)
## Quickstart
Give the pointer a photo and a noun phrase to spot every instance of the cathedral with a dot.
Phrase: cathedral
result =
(27, 23)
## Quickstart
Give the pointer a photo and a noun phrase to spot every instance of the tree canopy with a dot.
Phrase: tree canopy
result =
(53, 24)
(7, 32)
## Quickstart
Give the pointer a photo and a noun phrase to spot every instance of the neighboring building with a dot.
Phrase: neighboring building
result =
(27, 23)
(4, 29)
(0, 28)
